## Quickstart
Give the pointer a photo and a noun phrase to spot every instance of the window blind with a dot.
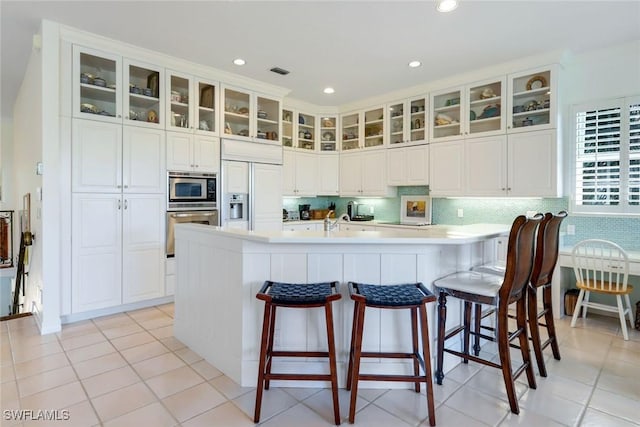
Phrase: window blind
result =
(634, 154)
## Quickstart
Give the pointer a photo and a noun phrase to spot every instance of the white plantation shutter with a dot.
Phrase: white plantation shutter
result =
(607, 157)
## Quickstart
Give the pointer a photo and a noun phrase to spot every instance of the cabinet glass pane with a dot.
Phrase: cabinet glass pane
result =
(179, 102)
(485, 106)
(350, 131)
(328, 133)
(396, 124)
(97, 85)
(446, 114)
(531, 100)
(418, 119)
(206, 107)
(374, 127)
(306, 131)
(287, 128)
(144, 95)
(236, 112)
(268, 114)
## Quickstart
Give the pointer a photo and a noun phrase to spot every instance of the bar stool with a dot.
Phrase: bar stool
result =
(547, 247)
(482, 288)
(407, 296)
(290, 295)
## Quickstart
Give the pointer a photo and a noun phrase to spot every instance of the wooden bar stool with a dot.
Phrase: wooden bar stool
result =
(409, 296)
(290, 295)
(489, 289)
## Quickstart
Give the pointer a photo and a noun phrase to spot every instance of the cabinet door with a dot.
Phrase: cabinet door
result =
(374, 127)
(266, 117)
(143, 160)
(533, 100)
(96, 269)
(350, 131)
(417, 165)
(350, 175)
(206, 108)
(486, 108)
(97, 85)
(96, 157)
(328, 175)
(266, 201)
(206, 153)
(289, 173)
(306, 174)
(143, 247)
(236, 177)
(179, 102)
(486, 166)
(446, 168)
(533, 164)
(144, 95)
(237, 113)
(447, 114)
(179, 152)
(396, 172)
(374, 173)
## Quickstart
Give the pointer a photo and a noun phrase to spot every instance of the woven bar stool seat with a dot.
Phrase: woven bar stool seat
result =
(300, 296)
(413, 297)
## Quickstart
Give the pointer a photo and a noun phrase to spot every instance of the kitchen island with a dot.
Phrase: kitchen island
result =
(219, 271)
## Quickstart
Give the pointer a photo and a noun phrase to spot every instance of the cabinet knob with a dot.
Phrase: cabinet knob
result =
(118, 186)
(126, 204)
(508, 188)
(126, 186)
(503, 188)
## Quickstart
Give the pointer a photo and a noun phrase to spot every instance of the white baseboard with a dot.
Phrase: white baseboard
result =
(77, 317)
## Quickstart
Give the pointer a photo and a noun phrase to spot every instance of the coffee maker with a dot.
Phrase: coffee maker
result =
(304, 212)
(352, 209)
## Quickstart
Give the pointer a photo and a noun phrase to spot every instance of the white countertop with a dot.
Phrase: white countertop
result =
(435, 234)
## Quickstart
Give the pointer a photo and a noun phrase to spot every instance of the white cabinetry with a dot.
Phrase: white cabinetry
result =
(312, 226)
(111, 158)
(364, 174)
(197, 153)
(355, 226)
(486, 166)
(364, 129)
(408, 165)
(250, 116)
(192, 104)
(328, 174)
(407, 121)
(533, 100)
(117, 249)
(446, 168)
(299, 173)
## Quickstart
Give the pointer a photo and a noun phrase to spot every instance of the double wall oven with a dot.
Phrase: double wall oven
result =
(191, 197)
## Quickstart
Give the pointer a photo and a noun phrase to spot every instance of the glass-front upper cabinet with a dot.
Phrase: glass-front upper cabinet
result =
(287, 128)
(180, 87)
(350, 131)
(328, 133)
(485, 108)
(267, 118)
(97, 85)
(446, 113)
(374, 127)
(207, 106)
(142, 102)
(532, 95)
(407, 121)
(251, 116)
(237, 113)
(306, 131)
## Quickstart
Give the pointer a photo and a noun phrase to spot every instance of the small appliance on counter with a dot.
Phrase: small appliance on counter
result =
(359, 212)
(293, 216)
(305, 213)
(285, 214)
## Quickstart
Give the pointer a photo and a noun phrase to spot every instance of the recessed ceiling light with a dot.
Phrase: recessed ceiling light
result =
(328, 90)
(446, 5)
(414, 64)
(239, 61)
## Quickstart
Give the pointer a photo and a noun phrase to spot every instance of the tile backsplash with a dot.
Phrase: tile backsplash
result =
(623, 231)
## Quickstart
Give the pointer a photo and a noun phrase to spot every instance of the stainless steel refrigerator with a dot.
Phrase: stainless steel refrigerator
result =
(252, 195)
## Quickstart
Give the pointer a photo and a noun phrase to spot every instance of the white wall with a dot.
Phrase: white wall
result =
(6, 166)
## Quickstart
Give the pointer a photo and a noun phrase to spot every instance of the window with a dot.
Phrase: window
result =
(607, 157)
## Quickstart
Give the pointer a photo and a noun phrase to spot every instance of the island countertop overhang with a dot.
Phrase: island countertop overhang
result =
(436, 234)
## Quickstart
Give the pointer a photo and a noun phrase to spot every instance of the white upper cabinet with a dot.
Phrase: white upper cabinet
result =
(328, 134)
(250, 116)
(408, 166)
(328, 174)
(485, 113)
(192, 104)
(288, 127)
(374, 121)
(486, 166)
(533, 98)
(533, 164)
(307, 133)
(365, 129)
(350, 131)
(143, 105)
(407, 121)
(364, 174)
(97, 85)
(446, 169)
(446, 114)
(193, 153)
(299, 173)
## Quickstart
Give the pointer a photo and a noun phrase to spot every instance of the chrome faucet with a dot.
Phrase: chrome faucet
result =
(330, 225)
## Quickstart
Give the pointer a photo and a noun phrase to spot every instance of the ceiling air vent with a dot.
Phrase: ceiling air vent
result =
(279, 70)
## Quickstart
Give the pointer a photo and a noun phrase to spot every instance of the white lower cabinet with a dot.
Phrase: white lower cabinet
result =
(117, 249)
(364, 174)
(354, 226)
(312, 226)
(299, 173)
(328, 174)
(193, 152)
(446, 168)
(408, 165)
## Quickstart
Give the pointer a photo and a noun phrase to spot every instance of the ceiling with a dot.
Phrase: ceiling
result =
(360, 48)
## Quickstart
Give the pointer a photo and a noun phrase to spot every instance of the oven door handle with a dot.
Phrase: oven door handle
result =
(186, 215)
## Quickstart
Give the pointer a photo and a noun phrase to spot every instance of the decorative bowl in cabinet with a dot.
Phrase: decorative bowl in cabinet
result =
(327, 136)
(99, 81)
(89, 108)
(262, 114)
(243, 110)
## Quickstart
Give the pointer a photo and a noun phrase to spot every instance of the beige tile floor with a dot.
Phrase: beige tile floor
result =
(129, 370)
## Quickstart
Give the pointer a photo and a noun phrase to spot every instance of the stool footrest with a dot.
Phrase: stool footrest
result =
(289, 353)
(308, 377)
(473, 358)
(397, 378)
(390, 355)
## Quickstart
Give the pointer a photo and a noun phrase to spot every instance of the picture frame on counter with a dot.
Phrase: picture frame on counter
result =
(415, 209)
